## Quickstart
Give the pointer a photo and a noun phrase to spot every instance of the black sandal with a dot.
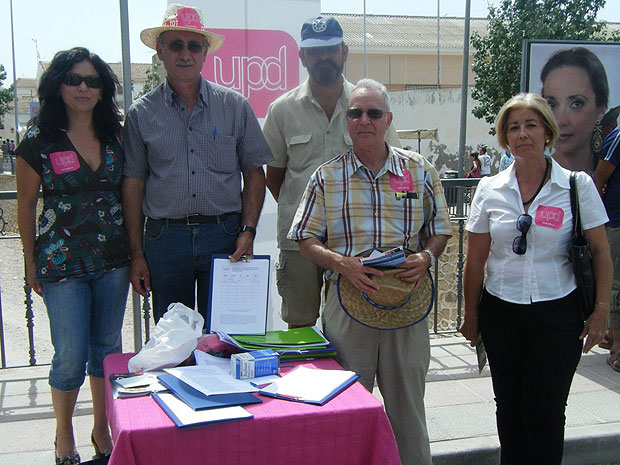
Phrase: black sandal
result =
(72, 459)
(100, 458)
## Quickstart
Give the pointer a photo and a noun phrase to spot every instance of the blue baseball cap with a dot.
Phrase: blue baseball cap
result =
(320, 32)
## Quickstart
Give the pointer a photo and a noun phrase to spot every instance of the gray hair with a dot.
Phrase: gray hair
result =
(367, 83)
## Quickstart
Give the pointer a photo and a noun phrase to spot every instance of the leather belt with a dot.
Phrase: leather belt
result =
(196, 219)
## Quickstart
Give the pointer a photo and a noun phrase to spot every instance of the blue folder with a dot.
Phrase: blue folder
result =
(200, 401)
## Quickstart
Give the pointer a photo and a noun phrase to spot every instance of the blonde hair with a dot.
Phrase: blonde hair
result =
(532, 102)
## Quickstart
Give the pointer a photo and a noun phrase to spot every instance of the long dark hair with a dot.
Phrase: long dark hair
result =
(52, 115)
(584, 59)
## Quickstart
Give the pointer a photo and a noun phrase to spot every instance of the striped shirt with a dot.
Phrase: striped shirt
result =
(350, 210)
(192, 163)
(611, 153)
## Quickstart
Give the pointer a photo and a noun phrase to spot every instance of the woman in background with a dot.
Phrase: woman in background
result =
(474, 172)
(79, 260)
(576, 88)
(526, 310)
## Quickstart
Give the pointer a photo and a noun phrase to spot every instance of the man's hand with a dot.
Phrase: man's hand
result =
(354, 271)
(414, 268)
(243, 246)
(139, 276)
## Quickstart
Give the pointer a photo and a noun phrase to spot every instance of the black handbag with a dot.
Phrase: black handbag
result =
(580, 256)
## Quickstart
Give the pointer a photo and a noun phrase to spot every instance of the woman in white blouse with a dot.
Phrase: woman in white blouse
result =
(526, 310)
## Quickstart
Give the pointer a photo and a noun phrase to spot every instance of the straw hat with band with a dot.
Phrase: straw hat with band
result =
(182, 18)
(393, 306)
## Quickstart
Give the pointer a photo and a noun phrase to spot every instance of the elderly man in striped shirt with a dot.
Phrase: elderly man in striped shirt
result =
(350, 205)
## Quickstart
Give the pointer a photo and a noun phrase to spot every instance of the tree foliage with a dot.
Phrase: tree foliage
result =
(6, 96)
(153, 79)
(497, 56)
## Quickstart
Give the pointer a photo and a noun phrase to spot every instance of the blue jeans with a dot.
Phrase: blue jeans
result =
(179, 260)
(86, 317)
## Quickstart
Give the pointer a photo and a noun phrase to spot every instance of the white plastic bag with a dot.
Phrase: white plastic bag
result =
(174, 338)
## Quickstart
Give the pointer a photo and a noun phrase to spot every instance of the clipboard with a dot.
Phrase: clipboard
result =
(239, 294)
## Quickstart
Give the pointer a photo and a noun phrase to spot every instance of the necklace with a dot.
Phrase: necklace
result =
(542, 183)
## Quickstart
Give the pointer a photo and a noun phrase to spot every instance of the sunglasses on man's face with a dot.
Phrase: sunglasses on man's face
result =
(519, 244)
(373, 113)
(318, 51)
(74, 80)
(178, 45)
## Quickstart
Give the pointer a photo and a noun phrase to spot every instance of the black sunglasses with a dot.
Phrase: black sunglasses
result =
(317, 51)
(373, 113)
(74, 80)
(178, 45)
(519, 245)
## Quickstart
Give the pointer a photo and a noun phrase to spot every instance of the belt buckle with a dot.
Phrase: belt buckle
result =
(188, 220)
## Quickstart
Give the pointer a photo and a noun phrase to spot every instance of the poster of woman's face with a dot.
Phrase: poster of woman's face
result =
(574, 79)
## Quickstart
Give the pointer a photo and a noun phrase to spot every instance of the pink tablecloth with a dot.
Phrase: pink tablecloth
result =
(350, 429)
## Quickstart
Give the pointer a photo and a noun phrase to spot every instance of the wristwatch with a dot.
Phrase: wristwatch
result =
(430, 255)
(248, 228)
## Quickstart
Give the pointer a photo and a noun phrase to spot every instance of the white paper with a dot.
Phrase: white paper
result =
(239, 296)
(204, 359)
(309, 384)
(189, 416)
(211, 380)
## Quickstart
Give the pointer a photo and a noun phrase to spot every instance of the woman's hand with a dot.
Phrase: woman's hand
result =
(469, 328)
(595, 328)
(32, 282)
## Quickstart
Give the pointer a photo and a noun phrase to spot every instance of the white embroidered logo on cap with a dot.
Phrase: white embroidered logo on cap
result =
(319, 25)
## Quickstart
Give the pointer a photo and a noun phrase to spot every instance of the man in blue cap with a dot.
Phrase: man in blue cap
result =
(304, 128)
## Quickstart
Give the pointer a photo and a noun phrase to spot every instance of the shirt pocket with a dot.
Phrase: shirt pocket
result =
(300, 153)
(223, 154)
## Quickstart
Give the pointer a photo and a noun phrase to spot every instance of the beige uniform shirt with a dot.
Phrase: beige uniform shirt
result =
(302, 138)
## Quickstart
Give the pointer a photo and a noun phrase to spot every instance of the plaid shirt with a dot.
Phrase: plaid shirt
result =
(350, 210)
(192, 163)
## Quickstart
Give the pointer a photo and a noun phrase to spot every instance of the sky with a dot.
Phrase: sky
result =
(52, 25)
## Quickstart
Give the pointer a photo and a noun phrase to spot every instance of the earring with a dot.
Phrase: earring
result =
(597, 138)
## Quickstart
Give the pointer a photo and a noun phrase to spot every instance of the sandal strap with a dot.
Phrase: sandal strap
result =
(72, 459)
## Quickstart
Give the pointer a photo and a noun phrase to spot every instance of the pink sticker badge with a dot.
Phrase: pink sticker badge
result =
(402, 183)
(549, 217)
(64, 162)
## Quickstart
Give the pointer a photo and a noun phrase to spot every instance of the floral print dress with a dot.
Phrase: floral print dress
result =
(81, 230)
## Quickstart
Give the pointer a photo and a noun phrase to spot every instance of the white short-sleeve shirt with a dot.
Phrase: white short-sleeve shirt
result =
(544, 272)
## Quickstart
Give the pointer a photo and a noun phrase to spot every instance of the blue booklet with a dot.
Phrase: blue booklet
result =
(184, 417)
(310, 385)
(199, 401)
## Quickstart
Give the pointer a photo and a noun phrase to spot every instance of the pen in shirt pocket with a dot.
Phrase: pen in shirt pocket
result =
(214, 133)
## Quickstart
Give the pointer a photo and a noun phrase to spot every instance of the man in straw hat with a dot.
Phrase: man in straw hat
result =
(188, 144)
(304, 128)
(376, 196)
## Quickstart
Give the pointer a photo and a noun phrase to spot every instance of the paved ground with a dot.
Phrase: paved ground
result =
(459, 405)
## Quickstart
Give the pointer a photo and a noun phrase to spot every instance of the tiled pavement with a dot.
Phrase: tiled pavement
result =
(459, 405)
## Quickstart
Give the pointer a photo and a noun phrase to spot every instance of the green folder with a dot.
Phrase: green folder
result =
(287, 338)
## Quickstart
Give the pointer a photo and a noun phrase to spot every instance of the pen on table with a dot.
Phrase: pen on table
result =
(286, 365)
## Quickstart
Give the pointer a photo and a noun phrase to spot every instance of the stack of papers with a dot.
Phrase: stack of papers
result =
(134, 384)
(291, 344)
(185, 417)
(200, 395)
(389, 258)
(310, 385)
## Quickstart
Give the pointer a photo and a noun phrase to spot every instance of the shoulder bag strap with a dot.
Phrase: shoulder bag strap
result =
(574, 205)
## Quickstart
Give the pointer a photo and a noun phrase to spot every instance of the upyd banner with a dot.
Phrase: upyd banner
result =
(259, 64)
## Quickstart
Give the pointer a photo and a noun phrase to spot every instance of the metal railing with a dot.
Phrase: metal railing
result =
(447, 276)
